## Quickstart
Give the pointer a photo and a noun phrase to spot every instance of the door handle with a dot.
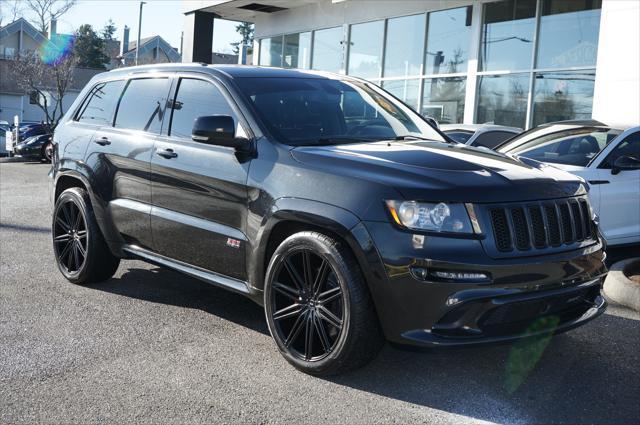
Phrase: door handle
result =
(103, 141)
(166, 153)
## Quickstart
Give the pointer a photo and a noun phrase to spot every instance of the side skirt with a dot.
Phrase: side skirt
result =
(213, 278)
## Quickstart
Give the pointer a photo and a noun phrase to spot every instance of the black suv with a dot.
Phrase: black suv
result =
(326, 200)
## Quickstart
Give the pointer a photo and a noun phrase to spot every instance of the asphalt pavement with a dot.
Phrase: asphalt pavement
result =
(153, 346)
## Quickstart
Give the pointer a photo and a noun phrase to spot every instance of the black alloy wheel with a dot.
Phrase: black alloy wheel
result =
(318, 308)
(70, 237)
(81, 252)
(307, 305)
(47, 152)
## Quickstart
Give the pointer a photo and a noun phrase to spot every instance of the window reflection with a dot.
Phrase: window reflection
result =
(562, 96)
(568, 33)
(365, 49)
(404, 46)
(443, 99)
(406, 90)
(507, 35)
(327, 49)
(297, 50)
(502, 99)
(448, 41)
(271, 51)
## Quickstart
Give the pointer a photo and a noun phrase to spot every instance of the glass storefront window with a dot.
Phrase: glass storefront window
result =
(568, 33)
(406, 90)
(297, 50)
(365, 49)
(443, 99)
(271, 51)
(502, 99)
(404, 46)
(562, 96)
(327, 49)
(507, 35)
(448, 39)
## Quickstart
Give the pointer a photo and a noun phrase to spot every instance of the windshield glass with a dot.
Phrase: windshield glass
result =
(570, 147)
(312, 111)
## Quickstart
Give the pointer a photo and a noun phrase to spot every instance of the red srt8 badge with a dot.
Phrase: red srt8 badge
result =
(233, 243)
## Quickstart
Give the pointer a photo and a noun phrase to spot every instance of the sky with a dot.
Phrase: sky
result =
(159, 17)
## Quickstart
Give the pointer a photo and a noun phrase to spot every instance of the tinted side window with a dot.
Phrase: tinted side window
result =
(628, 147)
(491, 139)
(459, 136)
(100, 103)
(142, 105)
(196, 98)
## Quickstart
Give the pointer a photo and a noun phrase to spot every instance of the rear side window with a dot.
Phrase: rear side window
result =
(196, 98)
(100, 103)
(142, 105)
(491, 139)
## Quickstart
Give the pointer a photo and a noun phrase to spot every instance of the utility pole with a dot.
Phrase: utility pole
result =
(139, 30)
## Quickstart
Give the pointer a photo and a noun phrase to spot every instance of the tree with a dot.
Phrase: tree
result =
(109, 30)
(46, 10)
(245, 29)
(47, 82)
(11, 9)
(89, 48)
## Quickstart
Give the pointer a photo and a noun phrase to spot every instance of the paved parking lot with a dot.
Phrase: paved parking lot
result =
(152, 346)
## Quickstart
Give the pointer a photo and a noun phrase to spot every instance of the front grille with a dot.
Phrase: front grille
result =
(539, 225)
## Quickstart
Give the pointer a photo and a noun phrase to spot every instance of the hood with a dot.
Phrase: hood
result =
(433, 171)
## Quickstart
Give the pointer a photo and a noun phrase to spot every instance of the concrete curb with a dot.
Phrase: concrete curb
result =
(619, 288)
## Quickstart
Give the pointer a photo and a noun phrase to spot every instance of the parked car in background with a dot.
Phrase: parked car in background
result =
(479, 135)
(36, 147)
(606, 157)
(27, 130)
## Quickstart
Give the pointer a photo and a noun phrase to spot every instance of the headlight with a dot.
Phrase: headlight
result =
(433, 217)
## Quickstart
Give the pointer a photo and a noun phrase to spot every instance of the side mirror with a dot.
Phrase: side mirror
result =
(219, 130)
(625, 163)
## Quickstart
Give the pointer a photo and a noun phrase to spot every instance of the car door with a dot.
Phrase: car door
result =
(620, 193)
(199, 191)
(121, 156)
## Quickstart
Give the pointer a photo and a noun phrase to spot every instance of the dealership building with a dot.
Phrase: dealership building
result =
(512, 62)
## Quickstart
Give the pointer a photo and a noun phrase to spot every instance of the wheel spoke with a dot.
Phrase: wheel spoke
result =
(65, 237)
(74, 253)
(329, 317)
(81, 250)
(286, 291)
(82, 234)
(308, 336)
(329, 295)
(78, 221)
(324, 339)
(306, 269)
(65, 226)
(295, 276)
(65, 252)
(295, 329)
(323, 272)
(290, 311)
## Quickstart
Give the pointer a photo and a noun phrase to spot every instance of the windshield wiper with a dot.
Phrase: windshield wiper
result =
(410, 137)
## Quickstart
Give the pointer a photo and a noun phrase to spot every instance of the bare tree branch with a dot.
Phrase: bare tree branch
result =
(45, 10)
(49, 82)
(11, 9)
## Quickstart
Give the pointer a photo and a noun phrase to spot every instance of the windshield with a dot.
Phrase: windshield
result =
(570, 147)
(312, 111)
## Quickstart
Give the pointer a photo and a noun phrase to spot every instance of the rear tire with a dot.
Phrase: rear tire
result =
(81, 253)
(47, 152)
(318, 308)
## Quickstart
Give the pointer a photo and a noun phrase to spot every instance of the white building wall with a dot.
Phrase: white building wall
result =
(13, 104)
(617, 89)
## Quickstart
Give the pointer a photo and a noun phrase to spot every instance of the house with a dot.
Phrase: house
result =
(21, 36)
(152, 49)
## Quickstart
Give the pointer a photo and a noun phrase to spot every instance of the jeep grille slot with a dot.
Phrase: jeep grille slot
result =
(540, 225)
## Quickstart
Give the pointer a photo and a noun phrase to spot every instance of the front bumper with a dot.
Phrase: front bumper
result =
(525, 296)
(28, 151)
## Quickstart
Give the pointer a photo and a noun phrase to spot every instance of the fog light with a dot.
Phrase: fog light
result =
(424, 274)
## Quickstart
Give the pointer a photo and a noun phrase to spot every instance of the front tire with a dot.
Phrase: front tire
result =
(318, 308)
(47, 152)
(81, 253)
